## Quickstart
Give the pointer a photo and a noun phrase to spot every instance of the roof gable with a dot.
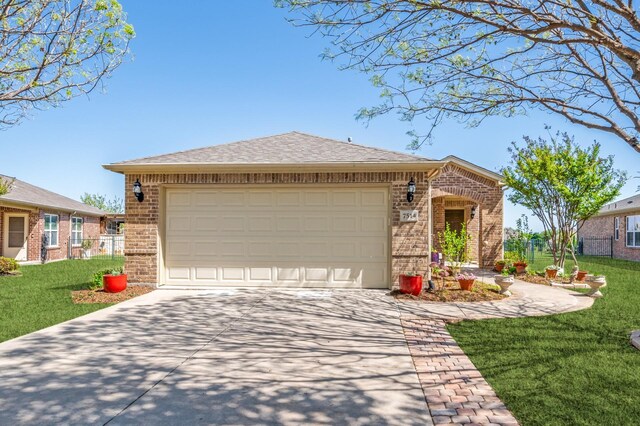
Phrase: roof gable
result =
(287, 148)
(23, 193)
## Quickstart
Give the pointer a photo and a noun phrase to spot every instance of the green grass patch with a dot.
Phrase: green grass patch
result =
(41, 297)
(576, 368)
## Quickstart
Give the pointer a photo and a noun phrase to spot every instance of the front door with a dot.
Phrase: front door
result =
(455, 219)
(15, 236)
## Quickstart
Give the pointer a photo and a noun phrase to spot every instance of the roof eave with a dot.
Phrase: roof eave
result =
(272, 167)
(475, 168)
(31, 206)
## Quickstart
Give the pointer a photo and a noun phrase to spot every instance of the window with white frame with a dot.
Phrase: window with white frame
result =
(51, 229)
(76, 231)
(616, 228)
(633, 231)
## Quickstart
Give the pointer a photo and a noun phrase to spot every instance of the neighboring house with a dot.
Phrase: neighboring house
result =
(300, 210)
(614, 231)
(28, 212)
(112, 224)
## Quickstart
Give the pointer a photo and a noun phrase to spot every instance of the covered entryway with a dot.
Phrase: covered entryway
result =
(313, 236)
(16, 226)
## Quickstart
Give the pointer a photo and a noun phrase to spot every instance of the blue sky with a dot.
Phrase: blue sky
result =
(205, 73)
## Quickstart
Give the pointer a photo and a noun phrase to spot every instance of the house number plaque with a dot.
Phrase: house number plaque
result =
(408, 215)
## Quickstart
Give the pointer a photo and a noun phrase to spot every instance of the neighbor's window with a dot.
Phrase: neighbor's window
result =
(633, 231)
(51, 229)
(616, 228)
(76, 231)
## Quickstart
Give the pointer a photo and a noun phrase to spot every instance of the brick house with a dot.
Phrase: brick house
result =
(300, 210)
(616, 228)
(28, 212)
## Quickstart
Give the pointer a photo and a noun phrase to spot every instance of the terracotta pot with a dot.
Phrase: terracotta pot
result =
(520, 268)
(466, 285)
(411, 284)
(114, 283)
(581, 275)
(552, 273)
(499, 267)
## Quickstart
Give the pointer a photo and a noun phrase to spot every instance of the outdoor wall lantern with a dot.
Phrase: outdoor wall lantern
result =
(411, 188)
(473, 212)
(137, 190)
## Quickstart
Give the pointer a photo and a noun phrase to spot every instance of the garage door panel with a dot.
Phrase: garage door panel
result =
(332, 237)
(288, 224)
(261, 224)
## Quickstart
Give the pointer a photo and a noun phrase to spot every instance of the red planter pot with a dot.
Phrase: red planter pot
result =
(552, 273)
(114, 283)
(466, 285)
(499, 267)
(410, 284)
(581, 275)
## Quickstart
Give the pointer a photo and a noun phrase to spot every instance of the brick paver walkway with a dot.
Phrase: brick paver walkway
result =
(455, 391)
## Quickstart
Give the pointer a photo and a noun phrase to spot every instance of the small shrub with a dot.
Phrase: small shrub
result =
(8, 265)
(87, 244)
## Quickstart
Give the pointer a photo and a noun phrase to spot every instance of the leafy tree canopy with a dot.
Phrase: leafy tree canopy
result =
(115, 205)
(473, 59)
(54, 50)
(562, 183)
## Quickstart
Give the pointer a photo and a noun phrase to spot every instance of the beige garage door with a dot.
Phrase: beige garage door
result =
(284, 236)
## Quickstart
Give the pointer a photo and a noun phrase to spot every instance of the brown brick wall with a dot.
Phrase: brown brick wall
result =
(487, 226)
(91, 229)
(603, 226)
(409, 243)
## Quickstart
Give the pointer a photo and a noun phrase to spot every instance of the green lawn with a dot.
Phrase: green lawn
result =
(41, 297)
(569, 369)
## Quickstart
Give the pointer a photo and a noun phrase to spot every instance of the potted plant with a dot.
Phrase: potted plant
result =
(86, 248)
(411, 283)
(521, 266)
(466, 280)
(552, 271)
(499, 265)
(581, 275)
(114, 280)
(504, 280)
(595, 281)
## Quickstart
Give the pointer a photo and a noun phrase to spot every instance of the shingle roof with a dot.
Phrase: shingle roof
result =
(624, 205)
(287, 148)
(23, 193)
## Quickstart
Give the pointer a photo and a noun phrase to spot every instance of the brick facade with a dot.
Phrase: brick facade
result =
(603, 227)
(91, 229)
(459, 188)
(409, 240)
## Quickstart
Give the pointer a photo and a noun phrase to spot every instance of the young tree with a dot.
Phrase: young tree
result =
(116, 205)
(5, 185)
(54, 50)
(473, 59)
(562, 184)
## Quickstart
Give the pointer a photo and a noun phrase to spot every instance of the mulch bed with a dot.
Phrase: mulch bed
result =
(537, 279)
(452, 293)
(12, 274)
(101, 296)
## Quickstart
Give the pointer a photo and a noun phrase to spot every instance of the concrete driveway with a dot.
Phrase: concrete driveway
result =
(218, 357)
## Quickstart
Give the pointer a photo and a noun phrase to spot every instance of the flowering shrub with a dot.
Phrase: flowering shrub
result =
(466, 276)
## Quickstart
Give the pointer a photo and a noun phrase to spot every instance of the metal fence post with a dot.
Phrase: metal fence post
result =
(611, 247)
(69, 252)
(113, 247)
